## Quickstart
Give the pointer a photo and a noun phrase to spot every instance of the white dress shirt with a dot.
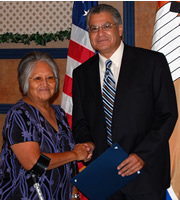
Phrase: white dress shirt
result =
(116, 59)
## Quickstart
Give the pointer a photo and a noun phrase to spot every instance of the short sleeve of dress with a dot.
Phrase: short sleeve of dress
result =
(20, 127)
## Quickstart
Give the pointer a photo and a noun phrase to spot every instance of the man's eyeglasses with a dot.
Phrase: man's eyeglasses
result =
(104, 27)
(39, 79)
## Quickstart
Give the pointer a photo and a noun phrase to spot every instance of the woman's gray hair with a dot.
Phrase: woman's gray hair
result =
(27, 64)
(104, 8)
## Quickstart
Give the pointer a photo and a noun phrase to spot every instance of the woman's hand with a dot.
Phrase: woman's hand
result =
(80, 151)
(28, 153)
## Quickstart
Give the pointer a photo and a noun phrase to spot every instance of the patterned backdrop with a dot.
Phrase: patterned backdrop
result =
(35, 16)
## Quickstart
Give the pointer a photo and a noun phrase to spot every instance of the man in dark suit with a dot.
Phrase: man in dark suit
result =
(144, 110)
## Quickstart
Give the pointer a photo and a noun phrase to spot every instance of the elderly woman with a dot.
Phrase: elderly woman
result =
(37, 137)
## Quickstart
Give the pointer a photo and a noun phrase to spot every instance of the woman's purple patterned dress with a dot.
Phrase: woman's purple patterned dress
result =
(25, 123)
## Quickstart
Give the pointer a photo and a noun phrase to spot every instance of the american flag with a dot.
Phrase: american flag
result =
(166, 39)
(79, 51)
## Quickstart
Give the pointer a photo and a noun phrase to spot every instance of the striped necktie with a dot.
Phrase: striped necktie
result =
(108, 96)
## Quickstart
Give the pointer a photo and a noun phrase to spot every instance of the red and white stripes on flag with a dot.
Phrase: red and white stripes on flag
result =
(79, 51)
(166, 37)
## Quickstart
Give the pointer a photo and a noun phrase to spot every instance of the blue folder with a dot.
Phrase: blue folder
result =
(100, 179)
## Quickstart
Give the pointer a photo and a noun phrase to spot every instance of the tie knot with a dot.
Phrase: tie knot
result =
(108, 64)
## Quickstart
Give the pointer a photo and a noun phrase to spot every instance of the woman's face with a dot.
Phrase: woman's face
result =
(42, 82)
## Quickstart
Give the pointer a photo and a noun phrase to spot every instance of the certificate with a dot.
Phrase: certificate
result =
(100, 179)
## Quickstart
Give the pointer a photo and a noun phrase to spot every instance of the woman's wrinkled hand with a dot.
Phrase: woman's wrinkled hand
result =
(80, 151)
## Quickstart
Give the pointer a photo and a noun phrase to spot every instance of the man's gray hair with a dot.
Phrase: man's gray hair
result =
(104, 8)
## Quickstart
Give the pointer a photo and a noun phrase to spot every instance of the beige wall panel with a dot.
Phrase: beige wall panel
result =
(145, 12)
(8, 80)
(175, 147)
(2, 119)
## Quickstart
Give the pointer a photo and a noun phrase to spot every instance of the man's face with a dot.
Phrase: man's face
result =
(104, 41)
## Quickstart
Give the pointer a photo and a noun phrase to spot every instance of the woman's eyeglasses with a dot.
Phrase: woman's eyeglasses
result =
(39, 79)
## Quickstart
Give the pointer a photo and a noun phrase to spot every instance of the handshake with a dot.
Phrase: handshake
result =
(84, 151)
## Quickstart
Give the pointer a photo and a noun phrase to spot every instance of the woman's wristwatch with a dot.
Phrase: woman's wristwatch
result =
(76, 196)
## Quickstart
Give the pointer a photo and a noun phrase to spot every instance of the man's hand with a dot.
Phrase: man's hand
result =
(90, 148)
(130, 165)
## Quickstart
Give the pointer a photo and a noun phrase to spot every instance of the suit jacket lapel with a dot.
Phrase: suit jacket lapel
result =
(94, 75)
(97, 104)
